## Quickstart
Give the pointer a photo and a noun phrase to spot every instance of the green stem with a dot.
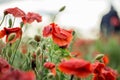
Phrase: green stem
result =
(16, 51)
(54, 17)
(72, 76)
(2, 20)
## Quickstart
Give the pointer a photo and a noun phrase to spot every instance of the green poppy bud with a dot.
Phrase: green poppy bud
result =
(50, 76)
(11, 36)
(62, 9)
(99, 57)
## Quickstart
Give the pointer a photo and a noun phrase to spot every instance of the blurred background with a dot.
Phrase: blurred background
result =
(82, 15)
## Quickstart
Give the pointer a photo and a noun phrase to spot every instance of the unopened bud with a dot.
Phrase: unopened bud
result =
(50, 76)
(99, 57)
(10, 23)
(11, 36)
(37, 38)
(62, 8)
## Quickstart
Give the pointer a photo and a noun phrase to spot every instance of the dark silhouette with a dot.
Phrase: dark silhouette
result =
(110, 23)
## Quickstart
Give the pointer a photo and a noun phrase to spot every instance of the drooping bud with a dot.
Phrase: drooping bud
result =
(62, 9)
(99, 56)
(11, 36)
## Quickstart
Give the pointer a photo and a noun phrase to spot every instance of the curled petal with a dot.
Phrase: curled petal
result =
(16, 12)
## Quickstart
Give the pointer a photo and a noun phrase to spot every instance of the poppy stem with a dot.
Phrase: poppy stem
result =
(16, 51)
(54, 17)
(72, 76)
(2, 20)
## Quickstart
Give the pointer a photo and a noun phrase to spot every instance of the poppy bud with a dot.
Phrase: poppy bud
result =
(62, 8)
(10, 23)
(37, 38)
(11, 36)
(99, 57)
(50, 76)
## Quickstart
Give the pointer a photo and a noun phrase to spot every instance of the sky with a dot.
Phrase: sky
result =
(81, 15)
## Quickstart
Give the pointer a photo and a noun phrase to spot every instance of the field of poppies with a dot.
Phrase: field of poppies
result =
(54, 53)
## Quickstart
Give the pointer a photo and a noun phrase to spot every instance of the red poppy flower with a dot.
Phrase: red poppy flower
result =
(19, 75)
(4, 66)
(106, 74)
(97, 67)
(16, 12)
(31, 17)
(51, 67)
(47, 30)
(79, 68)
(60, 36)
(8, 31)
(98, 77)
(101, 72)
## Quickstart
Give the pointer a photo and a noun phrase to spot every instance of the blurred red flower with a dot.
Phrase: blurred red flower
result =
(16, 12)
(60, 36)
(51, 67)
(4, 66)
(77, 67)
(31, 17)
(8, 31)
(97, 67)
(18, 75)
(101, 72)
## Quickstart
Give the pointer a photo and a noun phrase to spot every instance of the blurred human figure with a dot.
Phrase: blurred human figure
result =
(110, 23)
